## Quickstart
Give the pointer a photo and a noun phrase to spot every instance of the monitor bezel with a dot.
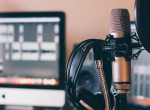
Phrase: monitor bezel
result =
(62, 55)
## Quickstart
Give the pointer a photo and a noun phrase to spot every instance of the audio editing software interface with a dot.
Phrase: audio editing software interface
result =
(29, 51)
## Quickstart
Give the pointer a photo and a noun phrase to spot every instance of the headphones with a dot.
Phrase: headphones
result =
(80, 97)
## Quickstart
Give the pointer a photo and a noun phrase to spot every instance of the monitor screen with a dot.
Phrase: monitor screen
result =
(32, 50)
(140, 92)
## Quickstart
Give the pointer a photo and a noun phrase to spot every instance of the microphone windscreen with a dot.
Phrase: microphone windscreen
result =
(120, 21)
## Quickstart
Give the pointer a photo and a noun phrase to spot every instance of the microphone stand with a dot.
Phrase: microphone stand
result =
(121, 102)
(120, 98)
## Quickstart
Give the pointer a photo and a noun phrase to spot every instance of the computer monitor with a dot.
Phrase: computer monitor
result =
(32, 58)
(140, 92)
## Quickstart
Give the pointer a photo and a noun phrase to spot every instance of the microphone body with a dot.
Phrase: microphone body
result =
(121, 70)
(121, 64)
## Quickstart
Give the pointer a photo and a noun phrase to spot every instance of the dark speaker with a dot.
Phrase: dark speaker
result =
(88, 76)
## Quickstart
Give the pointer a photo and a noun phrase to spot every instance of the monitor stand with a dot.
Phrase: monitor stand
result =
(18, 107)
(15, 107)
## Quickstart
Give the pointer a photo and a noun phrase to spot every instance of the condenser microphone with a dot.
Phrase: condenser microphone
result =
(121, 38)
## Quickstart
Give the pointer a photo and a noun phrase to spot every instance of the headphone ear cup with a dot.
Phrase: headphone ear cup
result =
(88, 99)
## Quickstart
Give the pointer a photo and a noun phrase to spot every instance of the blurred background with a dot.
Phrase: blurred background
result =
(84, 19)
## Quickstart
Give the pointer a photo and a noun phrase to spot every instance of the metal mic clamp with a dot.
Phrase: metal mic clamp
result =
(121, 65)
(121, 54)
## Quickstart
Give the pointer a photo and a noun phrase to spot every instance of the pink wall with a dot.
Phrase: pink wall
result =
(85, 18)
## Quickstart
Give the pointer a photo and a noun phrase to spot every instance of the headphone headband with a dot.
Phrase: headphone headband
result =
(74, 66)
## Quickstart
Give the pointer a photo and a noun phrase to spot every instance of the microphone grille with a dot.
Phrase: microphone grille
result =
(120, 21)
